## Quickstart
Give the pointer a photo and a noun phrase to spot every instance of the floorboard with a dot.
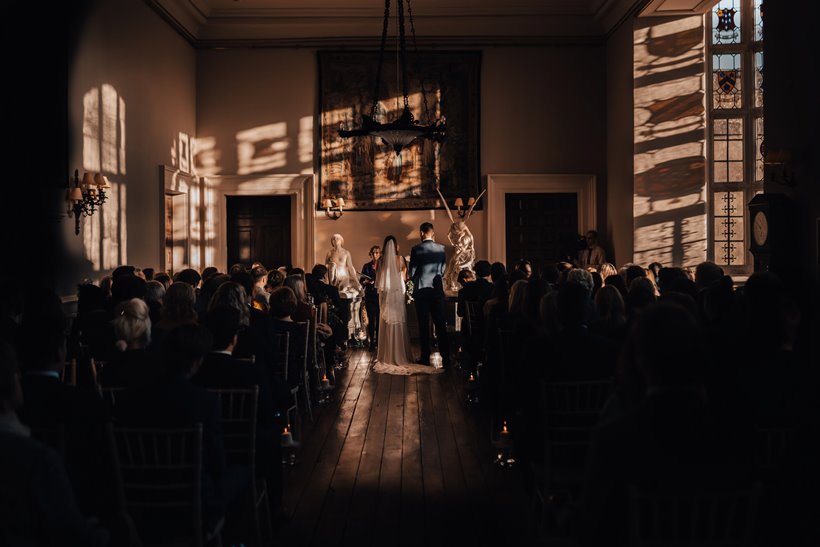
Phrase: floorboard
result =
(401, 460)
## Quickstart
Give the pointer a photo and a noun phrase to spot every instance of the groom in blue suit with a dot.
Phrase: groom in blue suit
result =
(426, 270)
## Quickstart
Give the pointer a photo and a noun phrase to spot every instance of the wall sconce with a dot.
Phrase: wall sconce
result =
(334, 208)
(460, 209)
(777, 162)
(83, 199)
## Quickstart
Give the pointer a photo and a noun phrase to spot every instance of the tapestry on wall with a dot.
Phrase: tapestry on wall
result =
(364, 171)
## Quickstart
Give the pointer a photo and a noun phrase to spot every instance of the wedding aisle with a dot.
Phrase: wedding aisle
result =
(400, 460)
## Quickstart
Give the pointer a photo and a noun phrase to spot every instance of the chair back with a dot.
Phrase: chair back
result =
(303, 351)
(281, 346)
(159, 481)
(574, 403)
(717, 518)
(239, 411)
(473, 317)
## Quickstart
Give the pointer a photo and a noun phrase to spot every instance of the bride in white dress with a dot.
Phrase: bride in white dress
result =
(394, 355)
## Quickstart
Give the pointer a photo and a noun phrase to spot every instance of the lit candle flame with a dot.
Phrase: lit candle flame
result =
(504, 429)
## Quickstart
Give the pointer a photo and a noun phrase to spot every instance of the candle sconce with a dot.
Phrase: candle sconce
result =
(334, 208)
(502, 442)
(461, 209)
(84, 199)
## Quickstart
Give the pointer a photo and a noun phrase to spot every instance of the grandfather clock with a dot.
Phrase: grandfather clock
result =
(774, 235)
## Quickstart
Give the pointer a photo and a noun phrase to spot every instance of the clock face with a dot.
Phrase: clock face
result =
(760, 228)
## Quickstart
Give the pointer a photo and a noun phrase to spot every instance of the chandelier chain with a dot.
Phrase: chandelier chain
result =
(426, 112)
(381, 59)
(403, 49)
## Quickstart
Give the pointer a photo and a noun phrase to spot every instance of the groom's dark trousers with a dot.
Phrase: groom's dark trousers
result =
(430, 303)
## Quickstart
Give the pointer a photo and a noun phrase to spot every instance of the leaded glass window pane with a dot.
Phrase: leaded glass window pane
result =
(726, 84)
(727, 156)
(726, 22)
(729, 232)
(759, 150)
(759, 79)
(758, 20)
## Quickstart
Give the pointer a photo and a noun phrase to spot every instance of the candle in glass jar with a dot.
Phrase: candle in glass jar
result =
(287, 437)
(325, 381)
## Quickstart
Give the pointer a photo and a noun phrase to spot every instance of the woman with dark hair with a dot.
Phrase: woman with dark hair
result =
(179, 309)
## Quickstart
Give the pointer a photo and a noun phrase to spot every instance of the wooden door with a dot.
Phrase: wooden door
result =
(541, 227)
(259, 230)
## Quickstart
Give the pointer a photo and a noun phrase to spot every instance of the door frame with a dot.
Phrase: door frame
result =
(299, 187)
(498, 186)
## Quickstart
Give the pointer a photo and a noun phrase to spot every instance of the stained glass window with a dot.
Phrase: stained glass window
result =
(736, 126)
(758, 20)
(729, 238)
(759, 151)
(726, 87)
(759, 79)
(726, 22)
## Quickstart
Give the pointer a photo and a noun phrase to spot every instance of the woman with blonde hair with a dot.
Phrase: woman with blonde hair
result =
(132, 365)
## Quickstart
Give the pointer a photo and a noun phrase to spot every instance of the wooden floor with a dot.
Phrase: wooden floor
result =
(400, 460)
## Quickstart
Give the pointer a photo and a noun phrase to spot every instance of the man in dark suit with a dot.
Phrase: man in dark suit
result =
(478, 291)
(427, 261)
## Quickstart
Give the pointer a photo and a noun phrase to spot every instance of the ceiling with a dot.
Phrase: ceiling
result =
(311, 23)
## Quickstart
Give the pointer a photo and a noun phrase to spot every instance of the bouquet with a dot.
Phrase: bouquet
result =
(408, 293)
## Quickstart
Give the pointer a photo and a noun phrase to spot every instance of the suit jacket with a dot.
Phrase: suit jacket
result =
(427, 261)
(479, 291)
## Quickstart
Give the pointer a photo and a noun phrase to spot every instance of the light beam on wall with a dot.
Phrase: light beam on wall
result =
(104, 130)
(669, 202)
(262, 148)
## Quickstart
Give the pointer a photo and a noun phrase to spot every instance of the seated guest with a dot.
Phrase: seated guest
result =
(163, 278)
(154, 294)
(673, 441)
(259, 296)
(132, 366)
(174, 401)
(37, 503)
(92, 326)
(189, 276)
(282, 305)
(478, 291)
(209, 287)
(178, 309)
(49, 403)
(220, 370)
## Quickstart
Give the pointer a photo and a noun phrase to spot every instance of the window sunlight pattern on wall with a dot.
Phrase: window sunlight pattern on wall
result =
(104, 233)
(206, 156)
(669, 201)
(261, 149)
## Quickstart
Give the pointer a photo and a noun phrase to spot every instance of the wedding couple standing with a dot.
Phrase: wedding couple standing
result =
(426, 269)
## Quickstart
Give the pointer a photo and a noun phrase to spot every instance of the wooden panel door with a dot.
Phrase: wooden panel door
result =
(258, 230)
(541, 227)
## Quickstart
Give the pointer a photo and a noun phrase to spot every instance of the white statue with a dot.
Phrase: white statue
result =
(463, 245)
(340, 270)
